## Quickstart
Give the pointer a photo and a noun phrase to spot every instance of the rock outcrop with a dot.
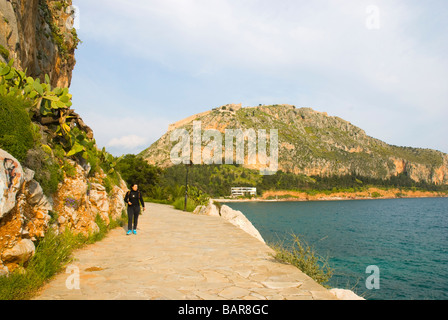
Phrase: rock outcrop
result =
(38, 35)
(343, 294)
(79, 200)
(21, 252)
(237, 218)
(27, 214)
(11, 179)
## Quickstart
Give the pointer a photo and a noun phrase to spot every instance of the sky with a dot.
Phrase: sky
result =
(144, 64)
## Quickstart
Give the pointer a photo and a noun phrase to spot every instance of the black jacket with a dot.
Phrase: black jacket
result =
(134, 197)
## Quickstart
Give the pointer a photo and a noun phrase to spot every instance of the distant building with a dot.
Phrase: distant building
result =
(242, 191)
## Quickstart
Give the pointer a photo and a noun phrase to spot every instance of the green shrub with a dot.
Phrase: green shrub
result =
(69, 169)
(93, 161)
(302, 256)
(59, 152)
(4, 52)
(47, 170)
(98, 236)
(108, 184)
(49, 177)
(179, 204)
(120, 222)
(16, 135)
(134, 169)
(52, 255)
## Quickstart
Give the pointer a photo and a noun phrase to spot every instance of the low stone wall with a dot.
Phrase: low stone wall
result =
(235, 217)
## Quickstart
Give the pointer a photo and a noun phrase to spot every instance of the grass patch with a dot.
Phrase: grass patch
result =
(302, 256)
(148, 199)
(53, 254)
(376, 195)
(16, 136)
(179, 204)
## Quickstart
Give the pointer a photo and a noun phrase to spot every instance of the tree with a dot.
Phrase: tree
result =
(134, 169)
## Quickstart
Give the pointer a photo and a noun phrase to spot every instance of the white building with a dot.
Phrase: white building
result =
(242, 191)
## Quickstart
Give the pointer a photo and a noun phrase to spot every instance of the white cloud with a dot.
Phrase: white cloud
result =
(128, 142)
(323, 45)
(266, 36)
(125, 134)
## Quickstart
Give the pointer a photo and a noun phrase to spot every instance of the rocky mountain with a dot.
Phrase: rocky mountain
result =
(312, 143)
(52, 174)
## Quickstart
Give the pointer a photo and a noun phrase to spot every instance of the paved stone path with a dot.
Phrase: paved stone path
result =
(178, 255)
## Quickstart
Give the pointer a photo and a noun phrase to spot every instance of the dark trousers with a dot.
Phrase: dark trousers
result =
(133, 213)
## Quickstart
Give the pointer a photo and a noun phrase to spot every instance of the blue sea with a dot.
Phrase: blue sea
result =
(406, 239)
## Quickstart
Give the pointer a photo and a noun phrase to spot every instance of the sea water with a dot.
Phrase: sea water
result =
(406, 239)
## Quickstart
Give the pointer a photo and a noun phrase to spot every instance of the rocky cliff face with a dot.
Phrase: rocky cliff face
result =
(313, 143)
(38, 35)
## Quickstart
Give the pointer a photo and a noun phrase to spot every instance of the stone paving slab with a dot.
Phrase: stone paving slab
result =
(181, 256)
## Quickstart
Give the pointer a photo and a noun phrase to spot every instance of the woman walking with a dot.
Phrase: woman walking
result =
(133, 198)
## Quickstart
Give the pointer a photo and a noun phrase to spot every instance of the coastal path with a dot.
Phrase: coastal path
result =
(180, 256)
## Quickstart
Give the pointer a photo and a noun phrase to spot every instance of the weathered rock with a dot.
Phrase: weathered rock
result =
(28, 174)
(99, 201)
(71, 202)
(4, 271)
(25, 210)
(93, 227)
(79, 200)
(36, 196)
(21, 252)
(26, 33)
(208, 210)
(11, 180)
(117, 204)
(238, 219)
(62, 220)
(343, 294)
(36, 210)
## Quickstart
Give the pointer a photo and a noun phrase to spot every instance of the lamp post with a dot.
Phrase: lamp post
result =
(186, 185)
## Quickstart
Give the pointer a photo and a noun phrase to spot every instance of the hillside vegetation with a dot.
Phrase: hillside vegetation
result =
(39, 128)
(316, 152)
(312, 143)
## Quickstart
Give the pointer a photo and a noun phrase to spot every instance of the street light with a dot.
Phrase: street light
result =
(186, 184)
